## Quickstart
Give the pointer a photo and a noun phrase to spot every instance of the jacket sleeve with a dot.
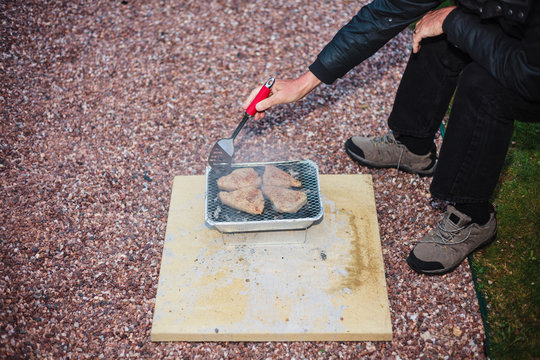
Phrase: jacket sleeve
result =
(373, 26)
(515, 63)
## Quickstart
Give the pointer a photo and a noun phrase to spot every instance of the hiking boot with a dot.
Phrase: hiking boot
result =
(445, 247)
(387, 152)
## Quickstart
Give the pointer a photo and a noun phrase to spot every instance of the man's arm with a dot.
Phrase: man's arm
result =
(373, 26)
(515, 63)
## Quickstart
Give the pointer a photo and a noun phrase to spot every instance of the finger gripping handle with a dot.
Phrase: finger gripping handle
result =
(261, 95)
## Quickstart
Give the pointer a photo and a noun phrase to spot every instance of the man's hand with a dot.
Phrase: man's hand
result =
(430, 25)
(284, 91)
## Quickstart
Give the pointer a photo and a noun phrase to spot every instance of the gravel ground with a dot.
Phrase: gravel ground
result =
(103, 102)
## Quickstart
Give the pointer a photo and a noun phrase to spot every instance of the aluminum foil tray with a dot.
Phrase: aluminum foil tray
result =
(227, 219)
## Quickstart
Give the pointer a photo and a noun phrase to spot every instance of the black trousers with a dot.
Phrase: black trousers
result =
(480, 125)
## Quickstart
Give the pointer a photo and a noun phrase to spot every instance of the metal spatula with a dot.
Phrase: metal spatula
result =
(222, 153)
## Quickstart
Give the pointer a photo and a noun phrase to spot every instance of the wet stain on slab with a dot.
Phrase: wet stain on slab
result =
(361, 265)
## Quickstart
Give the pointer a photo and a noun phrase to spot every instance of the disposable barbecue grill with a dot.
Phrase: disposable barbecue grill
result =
(227, 219)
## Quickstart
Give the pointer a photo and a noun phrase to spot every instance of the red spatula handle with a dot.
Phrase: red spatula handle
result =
(263, 94)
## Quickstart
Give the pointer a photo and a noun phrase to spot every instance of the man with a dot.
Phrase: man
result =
(487, 53)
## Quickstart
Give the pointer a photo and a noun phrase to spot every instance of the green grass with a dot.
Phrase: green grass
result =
(508, 271)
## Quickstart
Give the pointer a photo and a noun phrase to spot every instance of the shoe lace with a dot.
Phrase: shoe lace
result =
(389, 139)
(385, 139)
(444, 235)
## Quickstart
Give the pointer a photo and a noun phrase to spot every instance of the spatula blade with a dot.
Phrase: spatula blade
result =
(221, 155)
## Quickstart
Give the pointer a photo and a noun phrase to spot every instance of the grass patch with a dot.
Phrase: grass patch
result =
(508, 271)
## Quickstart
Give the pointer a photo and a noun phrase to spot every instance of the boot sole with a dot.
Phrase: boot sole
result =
(371, 165)
(445, 271)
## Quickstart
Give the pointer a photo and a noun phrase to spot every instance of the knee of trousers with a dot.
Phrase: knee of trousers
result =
(478, 88)
(440, 51)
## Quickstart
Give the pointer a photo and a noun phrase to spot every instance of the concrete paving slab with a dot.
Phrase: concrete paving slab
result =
(326, 283)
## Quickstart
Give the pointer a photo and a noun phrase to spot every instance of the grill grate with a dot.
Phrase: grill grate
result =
(228, 219)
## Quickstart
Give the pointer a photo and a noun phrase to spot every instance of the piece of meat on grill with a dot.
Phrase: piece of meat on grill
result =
(274, 176)
(285, 200)
(248, 199)
(239, 178)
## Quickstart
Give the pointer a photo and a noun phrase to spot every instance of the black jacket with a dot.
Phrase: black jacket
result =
(506, 43)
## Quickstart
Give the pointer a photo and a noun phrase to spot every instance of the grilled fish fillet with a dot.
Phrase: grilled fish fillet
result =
(239, 178)
(248, 199)
(285, 200)
(274, 176)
